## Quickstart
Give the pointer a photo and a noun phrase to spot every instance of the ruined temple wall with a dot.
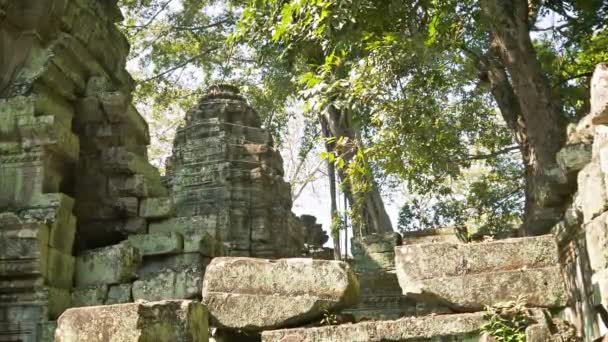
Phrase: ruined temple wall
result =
(225, 170)
(73, 164)
(582, 234)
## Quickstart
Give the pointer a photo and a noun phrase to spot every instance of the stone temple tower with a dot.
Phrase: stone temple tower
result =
(226, 176)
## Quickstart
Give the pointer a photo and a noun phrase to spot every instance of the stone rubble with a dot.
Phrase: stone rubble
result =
(178, 321)
(469, 277)
(252, 294)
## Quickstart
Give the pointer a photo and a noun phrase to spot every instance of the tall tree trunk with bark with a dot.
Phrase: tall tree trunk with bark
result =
(531, 110)
(331, 173)
(374, 216)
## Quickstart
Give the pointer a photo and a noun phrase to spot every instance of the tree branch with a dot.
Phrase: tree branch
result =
(181, 65)
(493, 154)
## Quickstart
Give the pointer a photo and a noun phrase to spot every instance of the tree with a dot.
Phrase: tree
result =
(413, 70)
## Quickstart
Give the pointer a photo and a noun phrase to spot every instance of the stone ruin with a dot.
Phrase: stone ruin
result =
(84, 218)
(96, 246)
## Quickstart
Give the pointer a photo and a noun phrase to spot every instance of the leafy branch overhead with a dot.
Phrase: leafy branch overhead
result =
(425, 97)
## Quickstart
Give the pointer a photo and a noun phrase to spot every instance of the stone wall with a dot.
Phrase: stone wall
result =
(84, 218)
(583, 232)
(73, 165)
(226, 175)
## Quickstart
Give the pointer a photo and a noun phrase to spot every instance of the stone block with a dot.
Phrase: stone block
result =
(49, 132)
(592, 191)
(450, 235)
(157, 207)
(89, 296)
(572, 158)
(176, 321)
(376, 243)
(157, 244)
(119, 161)
(125, 186)
(461, 327)
(201, 242)
(255, 294)
(471, 276)
(206, 224)
(183, 283)
(39, 304)
(596, 235)
(156, 263)
(599, 94)
(63, 233)
(108, 265)
(432, 260)
(119, 294)
(24, 250)
(60, 269)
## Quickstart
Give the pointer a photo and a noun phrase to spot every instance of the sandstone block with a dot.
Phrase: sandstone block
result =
(182, 224)
(256, 294)
(155, 263)
(108, 265)
(183, 283)
(203, 243)
(471, 276)
(166, 321)
(596, 235)
(119, 294)
(431, 260)
(431, 235)
(462, 327)
(599, 94)
(592, 191)
(61, 269)
(157, 244)
(156, 207)
(572, 158)
(89, 296)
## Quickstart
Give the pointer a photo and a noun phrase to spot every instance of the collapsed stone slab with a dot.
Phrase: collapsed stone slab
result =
(114, 264)
(470, 276)
(461, 327)
(165, 321)
(256, 294)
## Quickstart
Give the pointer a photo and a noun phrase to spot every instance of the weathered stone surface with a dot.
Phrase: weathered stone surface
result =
(156, 263)
(183, 224)
(431, 235)
(431, 260)
(157, 244)
(596, 235)
(203, 243)
(89, 296)
(374, 263)
(471, 276)
(375, 253)
(592, 191)
(599, 94)
(179, 321)
(256, 294)
(157, 207)
(457, 328)
(183, 283)
(119, 294)
(572, 158)
(108, 265)
(225, 172)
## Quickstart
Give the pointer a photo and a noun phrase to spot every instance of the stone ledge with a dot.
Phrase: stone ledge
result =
(462, 327)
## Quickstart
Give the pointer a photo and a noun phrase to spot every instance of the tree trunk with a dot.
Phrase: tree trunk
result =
(331, 173)
(374, 216)
(541, 128)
